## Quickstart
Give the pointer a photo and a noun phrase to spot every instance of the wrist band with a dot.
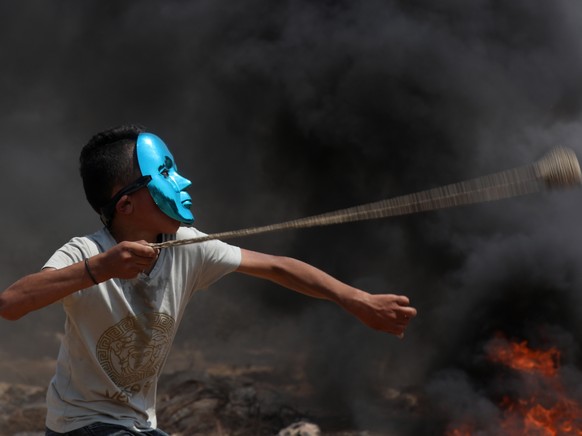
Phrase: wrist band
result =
(89, 271)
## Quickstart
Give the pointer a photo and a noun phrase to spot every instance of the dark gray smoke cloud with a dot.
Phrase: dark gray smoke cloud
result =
(277, 110)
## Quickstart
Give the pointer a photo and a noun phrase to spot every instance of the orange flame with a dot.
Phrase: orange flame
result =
(521, 358)
(548, 411)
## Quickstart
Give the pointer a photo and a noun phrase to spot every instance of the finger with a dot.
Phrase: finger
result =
(141, 267)
(142, 250)
(405, 313)
(144, 262)
(402, 300)
(149, 253)
(409, 312)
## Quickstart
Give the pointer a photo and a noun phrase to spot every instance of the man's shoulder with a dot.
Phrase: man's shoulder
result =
(100, 239)
(212, 248)
(183, 233)
(188, 233)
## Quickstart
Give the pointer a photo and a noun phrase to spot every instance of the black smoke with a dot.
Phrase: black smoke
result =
(278, 110)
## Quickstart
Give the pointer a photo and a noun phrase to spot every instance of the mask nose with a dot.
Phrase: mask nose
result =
(181, 182)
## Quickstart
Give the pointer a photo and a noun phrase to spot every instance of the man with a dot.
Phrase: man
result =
(124, 299)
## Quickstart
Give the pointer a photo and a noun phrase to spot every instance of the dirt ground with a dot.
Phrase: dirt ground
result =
(199, 396)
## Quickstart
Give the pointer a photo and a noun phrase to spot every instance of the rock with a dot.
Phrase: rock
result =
(23, 409)
(301, 428)
(219, 406)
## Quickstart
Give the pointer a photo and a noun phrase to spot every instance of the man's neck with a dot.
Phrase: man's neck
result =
(120, 234)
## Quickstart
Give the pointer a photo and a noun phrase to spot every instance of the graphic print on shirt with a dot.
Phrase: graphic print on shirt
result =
(135, 348)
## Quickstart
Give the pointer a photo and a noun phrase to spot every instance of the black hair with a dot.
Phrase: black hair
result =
(108, 159)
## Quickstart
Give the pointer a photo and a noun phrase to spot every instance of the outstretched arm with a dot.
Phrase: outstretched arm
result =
(43, 288)
(385, 312)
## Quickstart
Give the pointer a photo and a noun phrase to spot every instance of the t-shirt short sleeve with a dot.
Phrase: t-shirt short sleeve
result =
(215, 258)
(76, 250)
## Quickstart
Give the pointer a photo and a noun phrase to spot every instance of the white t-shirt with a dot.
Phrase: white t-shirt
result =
(118, 333)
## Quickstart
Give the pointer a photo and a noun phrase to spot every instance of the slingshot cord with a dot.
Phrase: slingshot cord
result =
(558, 169)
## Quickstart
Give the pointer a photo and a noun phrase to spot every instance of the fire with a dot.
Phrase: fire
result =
(521, 358)
(546, 409)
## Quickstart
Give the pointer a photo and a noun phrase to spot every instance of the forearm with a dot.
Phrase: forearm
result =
(385, 312)
(125, 260)
(298, 276)
(41, 289)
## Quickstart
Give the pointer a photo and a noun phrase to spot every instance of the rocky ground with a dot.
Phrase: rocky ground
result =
(224, 400)
(188, 407)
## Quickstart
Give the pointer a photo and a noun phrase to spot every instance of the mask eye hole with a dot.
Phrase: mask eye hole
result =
(165, 168)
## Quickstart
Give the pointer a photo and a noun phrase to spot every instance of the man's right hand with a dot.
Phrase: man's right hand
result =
(125, 261)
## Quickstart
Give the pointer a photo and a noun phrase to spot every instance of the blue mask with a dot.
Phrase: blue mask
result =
(166, 186)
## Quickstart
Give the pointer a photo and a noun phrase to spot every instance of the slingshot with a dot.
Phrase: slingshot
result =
(557, 169)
